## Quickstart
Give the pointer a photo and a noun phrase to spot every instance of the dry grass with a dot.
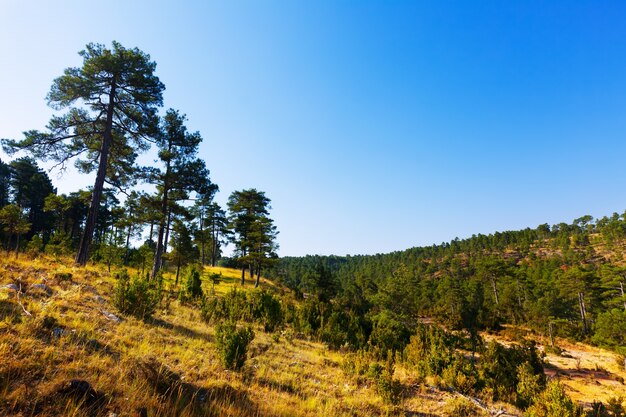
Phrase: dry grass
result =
(69, 358)
(588, 373)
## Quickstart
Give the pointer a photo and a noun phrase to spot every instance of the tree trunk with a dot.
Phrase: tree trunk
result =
(243, 275)
(495, 290)
(167, 230)
(159, 248)
(127, 253)
(177, 271)
(583, 315)
(258, 277)
(551, 337)
(202, 252)
(621, 287)
(17, 245)
(85, 242)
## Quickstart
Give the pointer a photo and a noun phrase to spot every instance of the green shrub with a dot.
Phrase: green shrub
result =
(387, 387)
(461, 375)
(266, 309)
(610, 330)
(499, 369)
(529, 385)
(34, 247)
(192, 289)
(137, 297)
(232, 344)
(553, 402)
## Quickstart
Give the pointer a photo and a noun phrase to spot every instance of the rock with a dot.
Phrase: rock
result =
(98, 299)
(111, 316)
(41, 288)
(11, 287)
(58, 332)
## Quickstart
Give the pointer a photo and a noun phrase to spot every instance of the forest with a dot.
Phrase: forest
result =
(160, 236)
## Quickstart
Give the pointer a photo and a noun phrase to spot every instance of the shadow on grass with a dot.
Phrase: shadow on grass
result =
(184, 398)
(602, 374)
(179, 330)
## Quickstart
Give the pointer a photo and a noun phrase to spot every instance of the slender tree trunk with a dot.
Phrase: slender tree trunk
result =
(495, 290)
(621, 287)
(151, 229)
(85, 242)
(258, 277)
(243, 275)
(127, 253)
(551, 337)
(167, 230)
(213, 243)
(177, 271)
(17, 245)
(159, 248)
(202, 252)
(583, 315)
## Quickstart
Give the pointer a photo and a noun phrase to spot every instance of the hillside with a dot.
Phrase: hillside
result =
(66, 350)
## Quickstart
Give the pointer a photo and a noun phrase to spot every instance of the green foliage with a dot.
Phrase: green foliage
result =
(232, 344)
(389, 389)
(431, 350)
(553, 402)
(35, 245)
(192, 287)
(236, 305)
(389, 332)
(529, 384)
(499, 368)
(462, 375)
(59, 244)
(610, 330)
(137, 296)
(266, 309)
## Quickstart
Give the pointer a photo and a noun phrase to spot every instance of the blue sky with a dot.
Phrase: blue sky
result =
(372, 126)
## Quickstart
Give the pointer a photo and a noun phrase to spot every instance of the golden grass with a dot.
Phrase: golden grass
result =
(168, 366)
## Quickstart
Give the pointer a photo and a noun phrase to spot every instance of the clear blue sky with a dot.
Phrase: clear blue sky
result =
(372, 126)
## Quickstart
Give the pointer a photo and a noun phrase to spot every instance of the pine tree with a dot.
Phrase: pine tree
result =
(111, 102)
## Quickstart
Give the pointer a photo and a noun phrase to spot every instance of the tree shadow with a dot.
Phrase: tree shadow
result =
(179, 330)
(182, 397)
(553, 370)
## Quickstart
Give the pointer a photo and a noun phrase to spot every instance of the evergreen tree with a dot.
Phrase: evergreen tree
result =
(111, 102)
(182, 173)
(254, 234)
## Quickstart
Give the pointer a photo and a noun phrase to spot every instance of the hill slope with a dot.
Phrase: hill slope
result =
(65, 350)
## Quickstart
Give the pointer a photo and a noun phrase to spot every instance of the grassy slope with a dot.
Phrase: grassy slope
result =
(168, 365)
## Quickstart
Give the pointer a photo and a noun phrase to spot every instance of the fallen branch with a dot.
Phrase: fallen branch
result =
(17, 295)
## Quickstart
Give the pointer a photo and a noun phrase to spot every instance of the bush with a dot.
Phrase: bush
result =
(388, 388)
(461, 375)
(137, 297)
(192, 288)
(499, 368)
(553, 402)
(266, 309)
(232, 344)
(610, 330)
(259, 306)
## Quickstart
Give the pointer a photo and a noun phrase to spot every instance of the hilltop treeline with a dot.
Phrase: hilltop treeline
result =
(562, 280)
